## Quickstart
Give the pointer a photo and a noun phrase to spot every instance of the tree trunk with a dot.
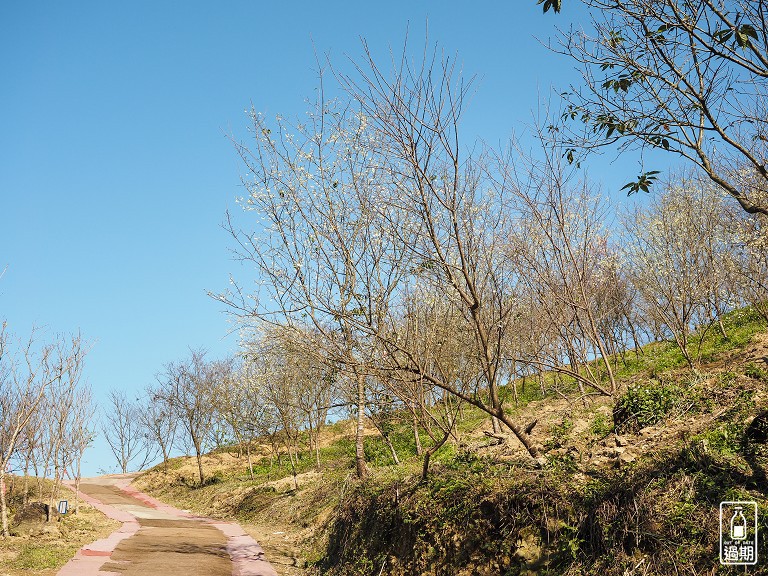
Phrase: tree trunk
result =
(293, 465)
(77, 490)
(54, 489)
(392, 450)
(521, 435)
(199, 462)
(362, 469)
(250, 462)
(317, 445)
(25, 496)
(416, 438)
(3, 505)
(429, 452)
(722, 327)
(314, 438)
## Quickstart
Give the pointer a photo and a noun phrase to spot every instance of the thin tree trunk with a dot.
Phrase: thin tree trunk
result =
(293, 466)
(52, 498)
(317, 445)
(77, 490)
(722, 327)
(417, 439)
(313, 441)
(514, 392)
(513, 381)
(429, 452)
(362, 469)
(25, 496)
(392, 450)
(199, 462)
(250, 462)
(3, 504)
(635, 338)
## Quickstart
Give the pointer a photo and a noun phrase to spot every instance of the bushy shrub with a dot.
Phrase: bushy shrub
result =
(645, 405)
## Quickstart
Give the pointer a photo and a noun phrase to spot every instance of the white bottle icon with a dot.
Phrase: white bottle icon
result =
(738, 525)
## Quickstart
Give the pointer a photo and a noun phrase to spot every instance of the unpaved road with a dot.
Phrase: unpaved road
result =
(157, 539)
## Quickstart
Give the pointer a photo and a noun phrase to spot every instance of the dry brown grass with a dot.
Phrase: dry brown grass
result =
(43, 555)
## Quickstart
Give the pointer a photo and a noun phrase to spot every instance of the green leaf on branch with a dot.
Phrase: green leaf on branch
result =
(658, 35)
(614, 38)
(722, 36)
(743, 35)
(611, 124)
(555, 5)
(570, 156)
(624, 81)
(642, 184)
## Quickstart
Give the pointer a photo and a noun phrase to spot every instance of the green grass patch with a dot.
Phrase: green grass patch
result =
(37, 556)
(756, 372)
(649, 403)
(601, 425)
(706, 345)
(725, 439)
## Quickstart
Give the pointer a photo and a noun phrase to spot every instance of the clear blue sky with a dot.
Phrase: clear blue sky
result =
(115, 172)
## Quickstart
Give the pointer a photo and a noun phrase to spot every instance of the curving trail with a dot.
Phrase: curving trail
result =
(157, 539)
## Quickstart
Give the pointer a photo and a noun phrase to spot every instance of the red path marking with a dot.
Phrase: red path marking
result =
(89, 552)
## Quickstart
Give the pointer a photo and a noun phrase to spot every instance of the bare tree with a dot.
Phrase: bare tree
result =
(158, 420)
(26, 376)
(677, 248)
(318, 384)
(325, 266)
(440, 347)
(123, 429)
(80, 435)
(457, 216)
(240, 403)
(61, 401)
(190, 387)
(273, 365)
(561, 244)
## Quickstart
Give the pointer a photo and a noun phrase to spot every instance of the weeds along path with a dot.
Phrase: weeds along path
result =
(157, 539)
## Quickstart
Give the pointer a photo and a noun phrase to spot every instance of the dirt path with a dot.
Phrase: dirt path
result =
(157, 539)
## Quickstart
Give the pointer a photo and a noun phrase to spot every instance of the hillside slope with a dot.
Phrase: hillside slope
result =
(629, 485)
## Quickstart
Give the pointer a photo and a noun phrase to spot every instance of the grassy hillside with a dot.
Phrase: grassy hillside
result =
(629, 485)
